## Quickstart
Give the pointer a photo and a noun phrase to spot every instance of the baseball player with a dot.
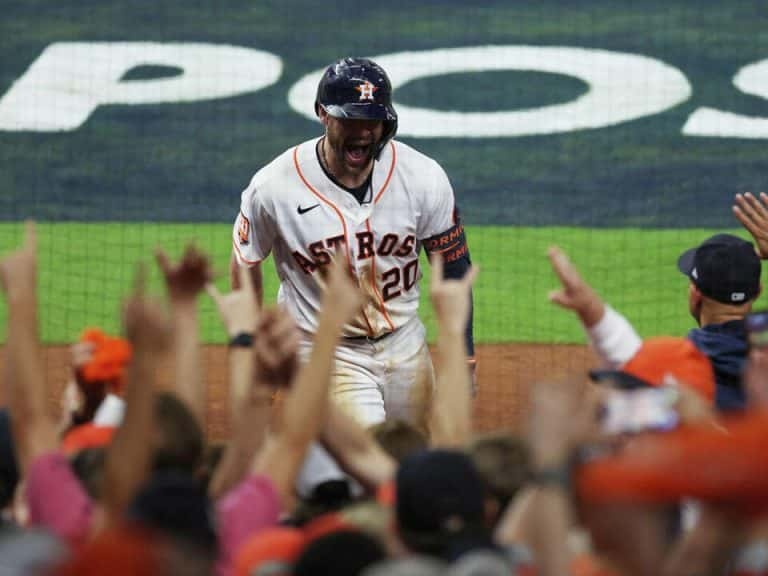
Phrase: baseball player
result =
(355, 193)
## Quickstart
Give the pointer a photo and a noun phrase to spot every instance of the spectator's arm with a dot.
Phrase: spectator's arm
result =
(451, 417)
(257, 280)
(129, 456)
(561, 416)
(250, 394)
(612, 337)
(306, 404)
(708, 546)
(185, 281)
(355, 449)
(34, 431)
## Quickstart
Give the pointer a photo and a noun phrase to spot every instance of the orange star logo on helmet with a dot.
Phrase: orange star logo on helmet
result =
(366, 90)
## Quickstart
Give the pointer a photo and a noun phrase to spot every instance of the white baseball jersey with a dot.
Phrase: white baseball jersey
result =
(293, 210)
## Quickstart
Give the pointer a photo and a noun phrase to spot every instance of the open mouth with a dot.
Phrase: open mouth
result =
(357, 154)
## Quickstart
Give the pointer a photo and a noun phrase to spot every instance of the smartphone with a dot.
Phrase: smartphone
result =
(639, 410)
(756, 325)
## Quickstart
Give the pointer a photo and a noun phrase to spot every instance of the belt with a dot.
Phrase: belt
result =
(368, 338)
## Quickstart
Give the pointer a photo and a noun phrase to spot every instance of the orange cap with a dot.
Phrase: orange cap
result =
(274, 548)
(86, 436)
(677, 357)
(109, 359)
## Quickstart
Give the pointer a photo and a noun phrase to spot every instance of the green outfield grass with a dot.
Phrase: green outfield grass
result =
(85, 270)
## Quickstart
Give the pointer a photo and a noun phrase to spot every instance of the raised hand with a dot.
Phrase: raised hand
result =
(18, 270)
(276, 347)
(239, 309)
(343, 297)
(574, 294)
(563, 414)
(451, 298)
(186, 279)
(145, 321)
(753, 215)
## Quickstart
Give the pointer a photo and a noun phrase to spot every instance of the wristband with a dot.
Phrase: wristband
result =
(241, 340)
(553, 476)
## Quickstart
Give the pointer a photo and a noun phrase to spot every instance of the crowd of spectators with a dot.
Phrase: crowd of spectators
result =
(653, 463)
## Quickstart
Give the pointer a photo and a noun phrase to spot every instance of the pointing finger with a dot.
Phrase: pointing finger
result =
(30, 236)
(162, 260)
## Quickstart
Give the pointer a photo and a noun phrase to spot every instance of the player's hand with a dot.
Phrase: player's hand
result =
(753, 215)
(186, 279)
(451, 298)
(575, 294)
(145, 322)
(239, 309)
(276, 346)
(343, 297)
(18, 270)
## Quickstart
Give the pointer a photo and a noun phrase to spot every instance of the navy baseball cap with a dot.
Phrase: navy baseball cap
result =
(724, 267)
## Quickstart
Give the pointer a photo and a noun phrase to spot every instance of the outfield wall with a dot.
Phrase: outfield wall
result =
(618, 131)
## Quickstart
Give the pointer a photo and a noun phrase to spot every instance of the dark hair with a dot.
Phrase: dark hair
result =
(179, 439)
(502, 461)
(328, 496)
(175, 505)
(94, 394)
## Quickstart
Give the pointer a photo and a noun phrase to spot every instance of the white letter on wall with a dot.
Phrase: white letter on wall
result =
(622, 87)
(71, 79)
(752, 79)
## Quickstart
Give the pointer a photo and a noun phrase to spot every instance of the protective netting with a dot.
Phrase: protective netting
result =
(619, 131)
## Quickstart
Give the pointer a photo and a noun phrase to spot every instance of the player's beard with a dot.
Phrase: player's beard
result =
(353, 156)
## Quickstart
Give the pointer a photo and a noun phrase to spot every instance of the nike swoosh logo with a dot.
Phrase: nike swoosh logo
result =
(301, 210)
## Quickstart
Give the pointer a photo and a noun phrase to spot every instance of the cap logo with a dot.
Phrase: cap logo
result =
(694, 274)
(738, 296)
(366, 90)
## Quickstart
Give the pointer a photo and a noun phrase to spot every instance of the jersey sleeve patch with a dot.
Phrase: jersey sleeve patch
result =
(452, 243)
(243, 230)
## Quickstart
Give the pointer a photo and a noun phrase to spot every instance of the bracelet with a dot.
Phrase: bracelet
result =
(554, 476)
(241, 340)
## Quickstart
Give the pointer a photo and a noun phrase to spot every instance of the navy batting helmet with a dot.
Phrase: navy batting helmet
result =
(358, 89)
